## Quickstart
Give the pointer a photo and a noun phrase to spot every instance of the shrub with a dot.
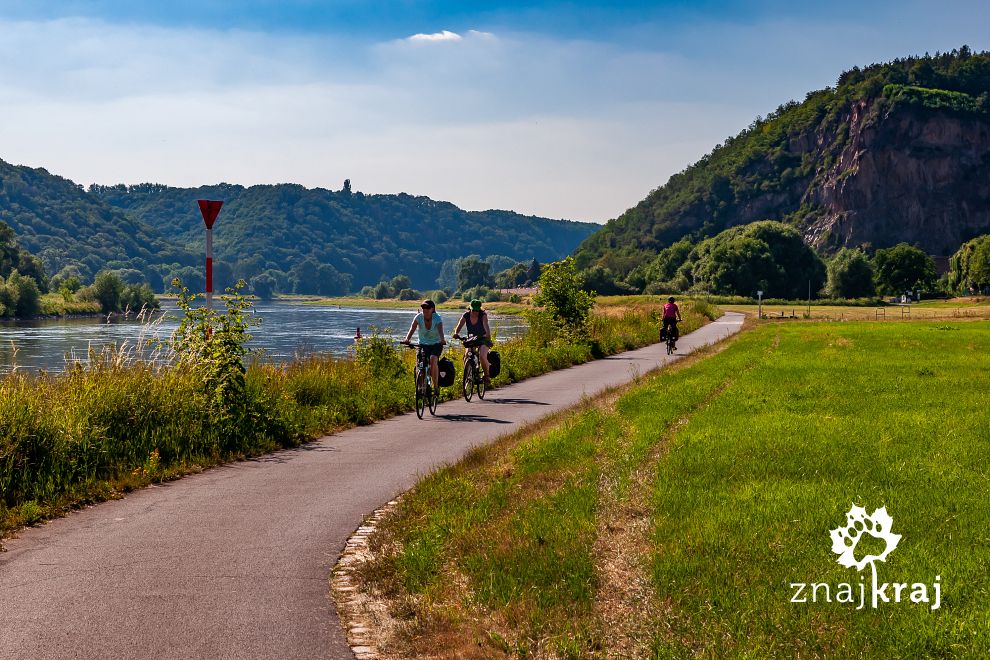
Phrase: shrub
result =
(850, 275)
(439, 296)
(107, 290)
(138, 297)
(408, 294)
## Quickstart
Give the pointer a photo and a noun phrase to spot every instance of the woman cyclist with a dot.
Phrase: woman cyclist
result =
(671, 315)
(476, 322)
(430, 327)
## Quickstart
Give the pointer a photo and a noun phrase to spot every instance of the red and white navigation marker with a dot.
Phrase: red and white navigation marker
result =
(210, 209)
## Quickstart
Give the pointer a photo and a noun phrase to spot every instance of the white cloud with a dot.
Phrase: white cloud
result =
(445, 35)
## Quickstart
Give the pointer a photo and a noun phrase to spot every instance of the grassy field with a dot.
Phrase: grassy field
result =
(960, 309)
(671, 519)
(98, 431)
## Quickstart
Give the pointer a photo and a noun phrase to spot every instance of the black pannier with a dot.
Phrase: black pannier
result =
(446, 372)
(494, 364)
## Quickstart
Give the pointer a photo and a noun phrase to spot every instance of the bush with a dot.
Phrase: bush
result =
(263, 286)
(850, 275)
(439, 296)
(23, 296)
(107, 290)
(409, 294)
(563, 302)
(492, 296)
(137, 298)
(382, 291)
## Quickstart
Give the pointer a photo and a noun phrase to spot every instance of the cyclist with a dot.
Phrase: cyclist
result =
(476, 322)
(430, 327)
(671, 315)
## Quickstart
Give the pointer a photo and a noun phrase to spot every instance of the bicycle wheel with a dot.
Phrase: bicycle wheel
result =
(670, 347)
(434, 398)
(467, 380)
(481, 387)
(420, 393)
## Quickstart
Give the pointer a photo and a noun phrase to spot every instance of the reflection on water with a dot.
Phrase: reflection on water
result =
(285, 331)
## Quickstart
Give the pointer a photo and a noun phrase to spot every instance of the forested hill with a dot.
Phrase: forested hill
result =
(309, 241)
(894, 152)
(344, 239)
(59, 222)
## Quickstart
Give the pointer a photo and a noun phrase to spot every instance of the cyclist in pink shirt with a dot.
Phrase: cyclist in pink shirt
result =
(671, 315)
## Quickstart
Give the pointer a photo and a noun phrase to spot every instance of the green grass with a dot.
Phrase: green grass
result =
(741, 464)
(878, 415)
(96, 432)
(53, 304)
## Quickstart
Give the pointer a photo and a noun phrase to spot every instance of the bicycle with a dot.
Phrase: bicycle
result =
(427, 396)
(474, 377)
(671, 339)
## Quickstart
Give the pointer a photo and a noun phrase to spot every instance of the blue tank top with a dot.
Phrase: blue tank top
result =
(431, 336)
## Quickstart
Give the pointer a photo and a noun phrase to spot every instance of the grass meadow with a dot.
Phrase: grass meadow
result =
(670, 519)
(116, 424)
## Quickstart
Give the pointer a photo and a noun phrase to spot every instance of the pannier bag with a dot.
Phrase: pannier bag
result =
(494, 364)
(446, 372)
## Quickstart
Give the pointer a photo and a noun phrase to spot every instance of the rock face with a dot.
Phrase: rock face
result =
(905, 174)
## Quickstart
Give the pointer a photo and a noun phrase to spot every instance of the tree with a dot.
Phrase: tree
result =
(138, 297)
(25, 295)
(108, 288)
(533, 273)
(347, 187)
(768, 256)
(969, 267)
(659, 273)
(603, 281)
(473, 272)
(903, 268)
(513, 277)
(263, 286)
(398, 283)
(562, 295)
(850, 275)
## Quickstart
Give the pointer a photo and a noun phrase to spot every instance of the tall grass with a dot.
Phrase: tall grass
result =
(117, 422)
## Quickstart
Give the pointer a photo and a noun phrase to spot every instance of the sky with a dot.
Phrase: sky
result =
(570, 110)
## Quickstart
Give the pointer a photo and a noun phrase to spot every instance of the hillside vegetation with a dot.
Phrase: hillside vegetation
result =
(895, 152)
(334, 242)
(311, 241)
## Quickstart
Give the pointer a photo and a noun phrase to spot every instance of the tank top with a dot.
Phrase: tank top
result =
(476, 329)
(431, 336)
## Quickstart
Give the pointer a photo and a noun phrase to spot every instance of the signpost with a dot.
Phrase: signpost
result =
(759, 295)
(210, 209)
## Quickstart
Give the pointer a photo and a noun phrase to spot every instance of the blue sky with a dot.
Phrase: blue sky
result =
(563, 109)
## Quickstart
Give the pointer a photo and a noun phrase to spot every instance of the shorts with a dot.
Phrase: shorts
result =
(432, 349)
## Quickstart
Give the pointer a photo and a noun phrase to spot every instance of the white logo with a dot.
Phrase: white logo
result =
(845, 539)
(844, 542)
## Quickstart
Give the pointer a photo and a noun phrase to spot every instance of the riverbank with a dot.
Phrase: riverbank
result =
(101, 430)
(372, 303)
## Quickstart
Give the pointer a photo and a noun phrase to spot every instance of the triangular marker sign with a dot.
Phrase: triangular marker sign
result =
(210, 209)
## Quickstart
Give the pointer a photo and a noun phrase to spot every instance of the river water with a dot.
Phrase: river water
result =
(285, 330)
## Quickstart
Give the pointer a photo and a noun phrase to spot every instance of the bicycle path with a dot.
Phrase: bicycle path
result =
(235, 562)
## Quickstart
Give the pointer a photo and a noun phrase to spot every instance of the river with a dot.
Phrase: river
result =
(285, 330)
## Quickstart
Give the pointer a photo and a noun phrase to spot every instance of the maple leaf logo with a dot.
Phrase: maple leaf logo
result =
(877, 525)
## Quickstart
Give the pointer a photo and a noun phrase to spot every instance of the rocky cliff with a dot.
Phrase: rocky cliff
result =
(905, 174)
(895, 152)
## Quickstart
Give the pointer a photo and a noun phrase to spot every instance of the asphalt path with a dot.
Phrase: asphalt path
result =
(235, 562)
